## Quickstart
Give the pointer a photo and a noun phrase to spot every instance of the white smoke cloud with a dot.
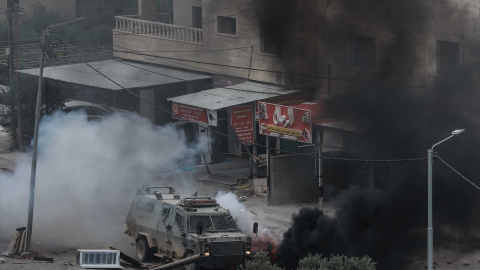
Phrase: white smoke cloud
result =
(87, 175)
(229, 201)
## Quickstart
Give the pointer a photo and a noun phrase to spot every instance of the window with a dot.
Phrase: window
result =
(165, 213)
(364, 52)
(145, 205)
(448, 56)
(179, 221)
(271, 39)
(226, 25)
(212, 223)
(165, 11)
(197, 17)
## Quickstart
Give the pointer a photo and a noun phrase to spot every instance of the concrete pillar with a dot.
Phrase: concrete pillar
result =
(146, 108)
(147, 9)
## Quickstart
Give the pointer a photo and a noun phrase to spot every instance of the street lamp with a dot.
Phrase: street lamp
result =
(35, 136)
(430, 225)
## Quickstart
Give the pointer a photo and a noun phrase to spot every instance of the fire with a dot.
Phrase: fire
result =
(265, 241)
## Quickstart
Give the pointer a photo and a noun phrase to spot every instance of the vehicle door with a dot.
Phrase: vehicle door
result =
(163, 229)
(178, 234)
(144, 215)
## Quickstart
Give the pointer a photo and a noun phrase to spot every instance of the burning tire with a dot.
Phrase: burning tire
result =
(143, 252)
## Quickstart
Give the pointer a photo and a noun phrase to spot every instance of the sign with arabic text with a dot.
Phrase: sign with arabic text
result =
(242, 122)
(285, 122)
(194, 114)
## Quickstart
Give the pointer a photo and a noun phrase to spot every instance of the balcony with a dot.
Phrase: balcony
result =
(131, 24)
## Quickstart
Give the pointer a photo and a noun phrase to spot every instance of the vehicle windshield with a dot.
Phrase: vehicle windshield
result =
(211, 223)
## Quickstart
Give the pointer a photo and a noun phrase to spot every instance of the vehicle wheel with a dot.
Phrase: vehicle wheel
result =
(144, 252)
(192, 266)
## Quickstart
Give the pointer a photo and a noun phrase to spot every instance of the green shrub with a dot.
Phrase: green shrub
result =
(260, 261)
(337, 262)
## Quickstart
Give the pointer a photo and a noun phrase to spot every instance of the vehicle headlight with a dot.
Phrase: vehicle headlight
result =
(248, 248)
(207, 250)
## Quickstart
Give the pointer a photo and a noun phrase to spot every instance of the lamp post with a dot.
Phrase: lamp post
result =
(430, 221)
(35, 136)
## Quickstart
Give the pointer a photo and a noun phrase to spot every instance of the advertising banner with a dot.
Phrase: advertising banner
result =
(285, 122)
(242, 122)
(194, 114)
(286, 101)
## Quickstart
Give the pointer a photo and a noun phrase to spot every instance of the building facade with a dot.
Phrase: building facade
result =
(319, 49)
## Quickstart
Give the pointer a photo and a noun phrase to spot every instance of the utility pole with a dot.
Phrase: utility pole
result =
(10, 43)
(35, 134)
(17, 81)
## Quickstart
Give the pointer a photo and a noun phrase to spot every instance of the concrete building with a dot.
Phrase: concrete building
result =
(318, 49)
(305, 37)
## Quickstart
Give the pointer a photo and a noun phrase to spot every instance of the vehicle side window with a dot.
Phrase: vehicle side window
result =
(179, 220)
(165, 213)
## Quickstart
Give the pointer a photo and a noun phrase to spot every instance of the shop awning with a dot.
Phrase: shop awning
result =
(218, 98)
(127, 74)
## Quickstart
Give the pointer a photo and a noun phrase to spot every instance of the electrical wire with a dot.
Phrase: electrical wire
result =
(262, 70)
(458, 173)
(249, 143)
(132, 51)
(237, 139)
(200, 83)
(255, 144)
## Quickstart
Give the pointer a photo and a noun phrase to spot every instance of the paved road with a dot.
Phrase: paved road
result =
(276, 219)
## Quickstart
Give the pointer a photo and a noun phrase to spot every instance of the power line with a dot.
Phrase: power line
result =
(255, 144)
(249, 68)
(261, 70)
(459, 174)
(237, 139)
(200, 83)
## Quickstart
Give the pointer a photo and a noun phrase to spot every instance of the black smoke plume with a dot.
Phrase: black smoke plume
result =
(399, 115)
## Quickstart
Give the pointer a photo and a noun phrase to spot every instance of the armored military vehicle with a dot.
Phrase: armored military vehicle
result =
(193, 231)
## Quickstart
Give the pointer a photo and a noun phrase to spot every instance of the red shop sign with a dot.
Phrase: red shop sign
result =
(242, 122)
(285, 122)
(194, 114)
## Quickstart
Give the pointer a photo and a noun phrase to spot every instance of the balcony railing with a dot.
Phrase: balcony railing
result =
(159, 30)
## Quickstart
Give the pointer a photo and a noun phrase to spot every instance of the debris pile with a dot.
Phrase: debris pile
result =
(17, 242)
(17, 247)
